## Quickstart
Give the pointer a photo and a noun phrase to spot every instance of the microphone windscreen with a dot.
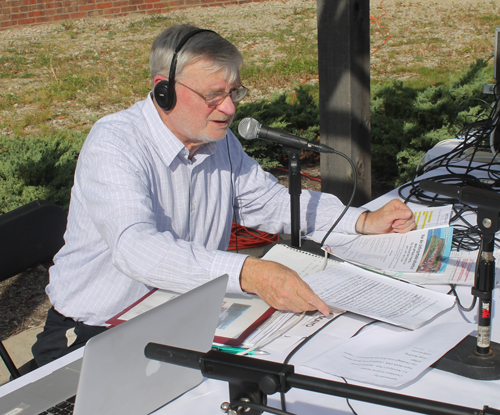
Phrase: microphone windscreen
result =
(249, 128)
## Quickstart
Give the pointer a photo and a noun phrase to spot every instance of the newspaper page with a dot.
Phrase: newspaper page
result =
(426, 250)
(432, 217)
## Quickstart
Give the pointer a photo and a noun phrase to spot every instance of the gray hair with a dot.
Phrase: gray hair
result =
(209, 46)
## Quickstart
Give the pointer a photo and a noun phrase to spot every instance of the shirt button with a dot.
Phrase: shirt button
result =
(192, 207)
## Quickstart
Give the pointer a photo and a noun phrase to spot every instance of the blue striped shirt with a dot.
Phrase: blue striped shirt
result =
(143, 215)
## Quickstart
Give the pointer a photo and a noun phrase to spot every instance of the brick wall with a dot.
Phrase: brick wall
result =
(15, 13)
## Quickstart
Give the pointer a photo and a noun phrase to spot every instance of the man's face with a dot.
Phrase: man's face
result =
(192, 120)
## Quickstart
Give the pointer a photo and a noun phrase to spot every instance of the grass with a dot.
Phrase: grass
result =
(83, 72)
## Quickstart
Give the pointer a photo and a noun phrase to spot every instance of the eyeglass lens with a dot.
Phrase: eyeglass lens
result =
(236, 95)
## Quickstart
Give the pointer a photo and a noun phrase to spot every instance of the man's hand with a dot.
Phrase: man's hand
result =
(395, 216)
(279, 286)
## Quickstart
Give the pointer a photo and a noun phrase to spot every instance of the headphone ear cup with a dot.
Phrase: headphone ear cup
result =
(164, 95)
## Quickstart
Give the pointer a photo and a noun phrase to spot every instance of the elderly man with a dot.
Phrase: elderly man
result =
(156, 189)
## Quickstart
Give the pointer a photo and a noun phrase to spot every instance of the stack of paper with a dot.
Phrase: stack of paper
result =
(351, 288)
(285, 329)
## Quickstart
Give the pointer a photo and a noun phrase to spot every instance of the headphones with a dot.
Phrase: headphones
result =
(164, 91)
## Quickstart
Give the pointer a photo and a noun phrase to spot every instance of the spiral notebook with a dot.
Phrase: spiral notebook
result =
(302, 262)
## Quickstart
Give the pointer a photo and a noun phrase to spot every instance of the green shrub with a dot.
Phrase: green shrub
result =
(38, 168)
(406, 123)
(299, 118)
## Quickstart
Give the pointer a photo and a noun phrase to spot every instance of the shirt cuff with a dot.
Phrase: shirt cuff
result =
(231, 264)
(350, 219)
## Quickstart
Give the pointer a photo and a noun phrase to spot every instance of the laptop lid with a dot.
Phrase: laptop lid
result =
(114, 377)
(117, 378)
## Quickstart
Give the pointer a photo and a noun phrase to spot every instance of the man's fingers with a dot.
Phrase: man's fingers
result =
(317, 303)
(279, 286)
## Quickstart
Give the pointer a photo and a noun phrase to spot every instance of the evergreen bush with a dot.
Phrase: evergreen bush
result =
(406, 123)
(299, 117)
(34, 168)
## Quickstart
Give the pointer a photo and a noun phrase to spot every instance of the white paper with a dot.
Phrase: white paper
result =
(393, 359)
(415, 251)
(310, 324)
(377, 296)
(432, 217)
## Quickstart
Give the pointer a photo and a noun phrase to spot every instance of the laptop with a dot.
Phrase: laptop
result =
(114, 376)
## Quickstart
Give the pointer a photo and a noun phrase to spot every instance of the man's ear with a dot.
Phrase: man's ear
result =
(158, 78)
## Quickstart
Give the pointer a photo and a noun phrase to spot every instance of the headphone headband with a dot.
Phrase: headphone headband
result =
(173, 65)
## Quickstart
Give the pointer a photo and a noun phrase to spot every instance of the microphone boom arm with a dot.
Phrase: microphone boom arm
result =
(251, 380)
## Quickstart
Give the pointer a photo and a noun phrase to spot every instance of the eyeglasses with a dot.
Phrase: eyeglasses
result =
(217, 98)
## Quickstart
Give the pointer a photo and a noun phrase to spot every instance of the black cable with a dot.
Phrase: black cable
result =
(347, 399)
(295, 350)
(475, 138)
(474, 300)
(354, 335)
(355, 177)
(307, 340)
(232, 188)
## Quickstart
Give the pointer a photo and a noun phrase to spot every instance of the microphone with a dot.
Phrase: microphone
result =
(469, 195)
(251, 129)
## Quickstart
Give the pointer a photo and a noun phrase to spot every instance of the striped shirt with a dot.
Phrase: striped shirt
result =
(142, 215)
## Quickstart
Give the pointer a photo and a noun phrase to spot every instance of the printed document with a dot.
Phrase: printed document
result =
(292, 327)
(416, 251)
(459, 271)
(394, 358)
(432, 217)
(370, 294)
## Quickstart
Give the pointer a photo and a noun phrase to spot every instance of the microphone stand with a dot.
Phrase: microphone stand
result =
(476, 358)
(294, 189)
(251, 380)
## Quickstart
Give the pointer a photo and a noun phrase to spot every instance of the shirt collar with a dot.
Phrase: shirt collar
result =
(167, 143)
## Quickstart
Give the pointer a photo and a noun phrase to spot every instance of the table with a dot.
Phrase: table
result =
(433, 384)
